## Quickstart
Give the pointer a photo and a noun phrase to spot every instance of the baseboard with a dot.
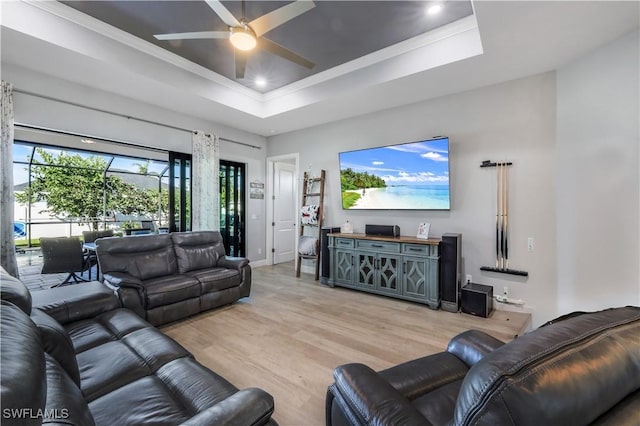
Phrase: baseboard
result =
(258, 263)
(511, 308)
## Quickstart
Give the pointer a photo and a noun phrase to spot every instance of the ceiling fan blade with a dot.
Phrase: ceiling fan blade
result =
(283, 52)
(267, 22)
(195, 35)
(223, 13)
(241, 63)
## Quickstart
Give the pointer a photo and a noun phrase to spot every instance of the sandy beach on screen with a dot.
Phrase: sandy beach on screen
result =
(368, 201)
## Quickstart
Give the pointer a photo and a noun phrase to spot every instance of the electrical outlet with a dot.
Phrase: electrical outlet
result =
(505, 292)
(259, 250)
(530, 244)
(469, 278)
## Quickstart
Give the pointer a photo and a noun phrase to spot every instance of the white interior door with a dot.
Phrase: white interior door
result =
(284, 212)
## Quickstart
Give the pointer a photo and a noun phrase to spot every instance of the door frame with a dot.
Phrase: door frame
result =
(269, 204)
(241, 225)
(182, 158)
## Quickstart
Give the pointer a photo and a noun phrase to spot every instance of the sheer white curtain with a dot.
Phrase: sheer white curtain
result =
(7, 244)
(205, 188)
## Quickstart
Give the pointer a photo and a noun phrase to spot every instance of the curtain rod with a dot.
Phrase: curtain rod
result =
(80, 135)
(128, 117)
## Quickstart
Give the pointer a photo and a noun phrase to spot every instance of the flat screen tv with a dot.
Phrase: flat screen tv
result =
(408, 176)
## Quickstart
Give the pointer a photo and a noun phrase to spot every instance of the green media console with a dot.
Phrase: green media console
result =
(402, 267)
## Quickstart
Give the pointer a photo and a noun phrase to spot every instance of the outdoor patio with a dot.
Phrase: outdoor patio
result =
(30, 265)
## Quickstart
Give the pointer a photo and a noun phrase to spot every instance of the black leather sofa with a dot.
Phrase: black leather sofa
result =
(167, 277)
(94, 362)
(582, 370)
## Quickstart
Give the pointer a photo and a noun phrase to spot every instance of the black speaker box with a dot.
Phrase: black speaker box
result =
(324, 252)
(477, 299)
(385, 230)
(450, 271)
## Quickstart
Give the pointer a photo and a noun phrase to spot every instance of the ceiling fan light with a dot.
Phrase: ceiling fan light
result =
(242, 38)
(434, 9)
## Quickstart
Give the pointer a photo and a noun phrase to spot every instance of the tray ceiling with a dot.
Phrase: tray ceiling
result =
(330, 34)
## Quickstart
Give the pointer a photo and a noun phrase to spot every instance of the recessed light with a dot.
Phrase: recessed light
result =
(434, 9)
(261, 82)
(87, 141)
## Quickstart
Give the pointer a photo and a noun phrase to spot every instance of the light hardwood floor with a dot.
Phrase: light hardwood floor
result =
(290, 334)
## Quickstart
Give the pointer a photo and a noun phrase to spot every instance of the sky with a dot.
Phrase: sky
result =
(416, 163)
(22, 152)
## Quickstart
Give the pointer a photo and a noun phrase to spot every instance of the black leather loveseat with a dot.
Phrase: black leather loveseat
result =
(167, 277)
(582, 370)
(96, 363)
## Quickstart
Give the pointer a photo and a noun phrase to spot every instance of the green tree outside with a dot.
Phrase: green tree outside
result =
(75, 186)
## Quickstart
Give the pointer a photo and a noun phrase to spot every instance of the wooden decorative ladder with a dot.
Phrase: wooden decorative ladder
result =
(312, 190)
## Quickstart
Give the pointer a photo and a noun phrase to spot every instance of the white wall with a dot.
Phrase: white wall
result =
(513, 121)
(598, 180)
(37, 111)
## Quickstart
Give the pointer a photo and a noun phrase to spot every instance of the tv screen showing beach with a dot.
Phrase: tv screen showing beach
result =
(410, 176)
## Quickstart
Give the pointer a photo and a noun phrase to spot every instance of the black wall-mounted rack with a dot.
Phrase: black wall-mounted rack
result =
(487, 163)
(505, 271)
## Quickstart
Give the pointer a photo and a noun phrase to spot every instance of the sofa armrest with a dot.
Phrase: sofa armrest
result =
(122, 279)
(230, 262)
(423, 375)
(131, 291)
(472, 345)
(250, 407)
(76, 302)
(57, 343)
(368, 399)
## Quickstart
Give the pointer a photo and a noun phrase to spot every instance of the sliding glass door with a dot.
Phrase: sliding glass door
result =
(232, 207)
(179, 192)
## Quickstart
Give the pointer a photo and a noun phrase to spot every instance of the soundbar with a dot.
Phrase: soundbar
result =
(385, 230)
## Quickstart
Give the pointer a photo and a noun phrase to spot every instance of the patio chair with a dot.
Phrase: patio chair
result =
(90, 255)
(91, 236)
(63, 254)
(148, 224)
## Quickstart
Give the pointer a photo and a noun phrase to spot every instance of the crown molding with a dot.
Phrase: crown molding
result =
(76, 17)
(434, 36)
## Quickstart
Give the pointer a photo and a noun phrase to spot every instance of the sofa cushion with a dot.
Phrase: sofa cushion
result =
(76, 302)
(197, 250)
(171, 396)
(134, 350)
(155, 264)
(215, 279)
(570, 372)
(65, 403)
(108, 367)
(196, 385)
(23, 366)
(14, 291)
(57, 343)
(155, 348)
(104, 328)
(170, 289)
(174, 312)
(437, 405)
(143, 257)
(143, 401)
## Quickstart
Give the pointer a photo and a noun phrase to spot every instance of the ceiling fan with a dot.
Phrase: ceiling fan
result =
(245, 36)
